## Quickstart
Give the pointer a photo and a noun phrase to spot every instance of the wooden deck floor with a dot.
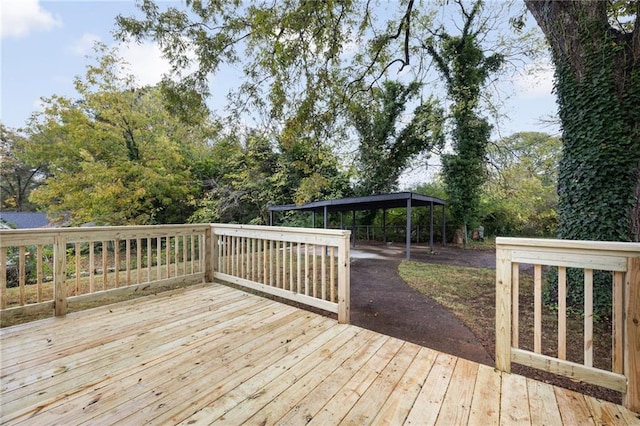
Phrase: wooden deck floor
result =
(215, 355)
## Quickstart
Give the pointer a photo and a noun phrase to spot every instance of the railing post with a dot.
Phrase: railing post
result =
(344, 277)
(60, 275)
(210, 255)
(631, 399)
(503, 309)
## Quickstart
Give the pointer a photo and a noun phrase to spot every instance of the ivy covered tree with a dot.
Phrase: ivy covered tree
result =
(115, 155)
(466, 69)
(384, 150)
(595, 47)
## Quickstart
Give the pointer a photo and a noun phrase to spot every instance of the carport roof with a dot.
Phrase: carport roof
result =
(371, 202)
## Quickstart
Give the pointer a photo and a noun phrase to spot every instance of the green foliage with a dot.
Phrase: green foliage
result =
(384, 151)
(115, 155)
(244, 176)
(520, 197)
(597, 181)
(17, 178)
(239, 181)
(288, 52)
(465, 67)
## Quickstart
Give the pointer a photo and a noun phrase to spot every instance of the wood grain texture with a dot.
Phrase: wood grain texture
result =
(212, 354)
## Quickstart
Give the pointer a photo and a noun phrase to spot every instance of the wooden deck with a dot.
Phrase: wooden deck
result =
(215, 355)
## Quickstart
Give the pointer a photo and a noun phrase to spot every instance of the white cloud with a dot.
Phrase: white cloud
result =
(20, 17)
(84, 45)
(146, 62)
(535, 81)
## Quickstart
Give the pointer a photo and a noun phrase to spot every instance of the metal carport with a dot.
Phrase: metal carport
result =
(406, 200)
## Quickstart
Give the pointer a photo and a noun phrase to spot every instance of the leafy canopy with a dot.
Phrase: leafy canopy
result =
(115, 155)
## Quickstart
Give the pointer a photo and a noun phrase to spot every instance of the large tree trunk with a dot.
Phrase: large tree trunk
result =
(598, 88)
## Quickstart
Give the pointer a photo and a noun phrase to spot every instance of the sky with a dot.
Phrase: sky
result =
(44, 45)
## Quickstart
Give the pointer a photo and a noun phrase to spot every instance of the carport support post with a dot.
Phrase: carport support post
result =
(444, 225)
(270, 217)
(353, 229)
(408, 233)
(326, 217)
(384, 225)
(313, 218)
(431, 227)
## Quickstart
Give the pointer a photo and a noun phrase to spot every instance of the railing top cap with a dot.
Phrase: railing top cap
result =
(632, 249)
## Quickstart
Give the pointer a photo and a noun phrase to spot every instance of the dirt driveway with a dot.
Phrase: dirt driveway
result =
(383, 302)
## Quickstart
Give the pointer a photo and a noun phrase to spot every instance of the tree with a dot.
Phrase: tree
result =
(239, 184)
(115, 155)
(521, 193)
(17, 179)
(304, 61)
(466, 69)
(595, 47)
(384, 151)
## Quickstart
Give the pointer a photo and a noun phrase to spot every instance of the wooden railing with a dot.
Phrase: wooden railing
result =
(623, 262)
(309, 266)
(45, 269)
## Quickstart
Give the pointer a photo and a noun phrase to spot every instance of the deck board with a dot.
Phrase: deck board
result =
(215, 355)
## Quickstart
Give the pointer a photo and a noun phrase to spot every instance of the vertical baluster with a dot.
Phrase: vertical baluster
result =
(105, 265)
(271, 243)
(588, 317)
(248, 258)
(184, 255)
(138, 261)
(291, 267)
(77, 267)
(264, 262)
(116, 262)
(167, 255)
(243, 257)
(299, 268)
(284, 265)
(92, 266)
(22, 273)
(149, 258)
(617, 323)
(332, 273)
(127, 260)
(3, 278)
(176, 254)
(515, 304)
(39, 271)
(158, 258)
(315, 270)
(562, 312)
(537, 309)
(306, 269)
(323, 269)
(193, 253)
(277, 244)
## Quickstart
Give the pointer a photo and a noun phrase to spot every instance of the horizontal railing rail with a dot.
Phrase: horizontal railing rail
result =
(47, 268)
(309, 266)
(621, 260)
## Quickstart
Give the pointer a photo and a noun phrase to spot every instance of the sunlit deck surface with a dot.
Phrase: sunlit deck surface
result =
(213, 354)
